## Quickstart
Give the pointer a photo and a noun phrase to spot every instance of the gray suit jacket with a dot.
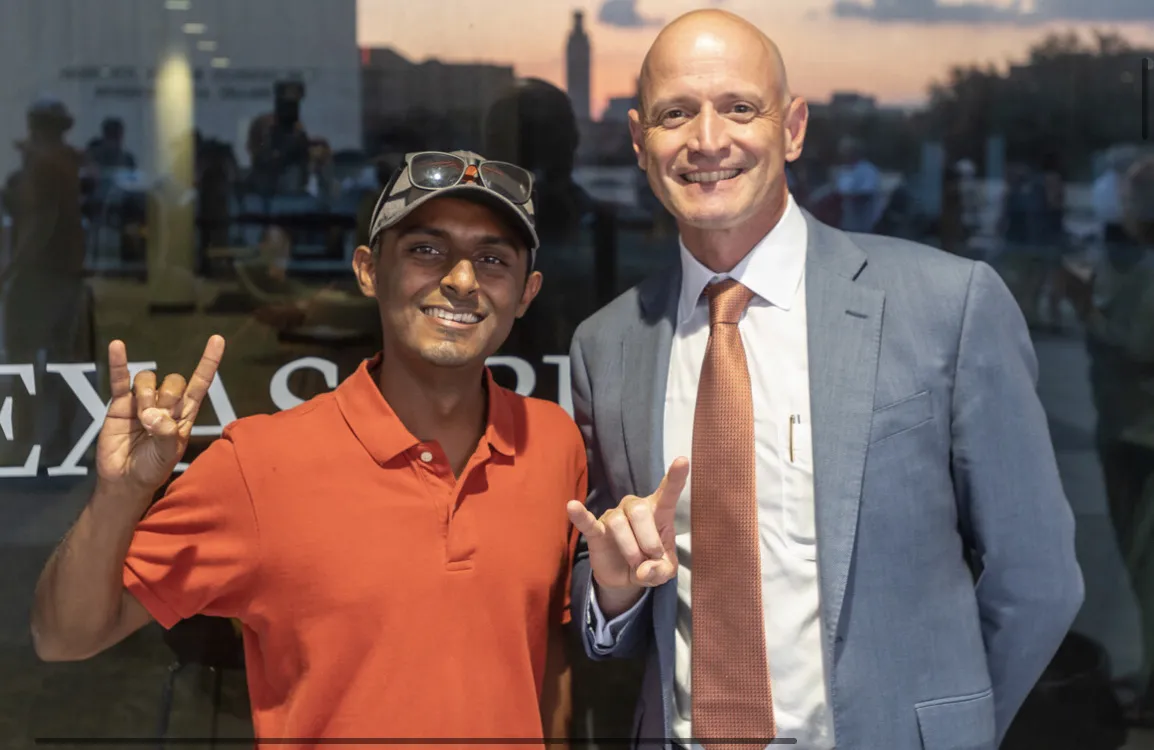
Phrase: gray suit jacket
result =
(945, 543)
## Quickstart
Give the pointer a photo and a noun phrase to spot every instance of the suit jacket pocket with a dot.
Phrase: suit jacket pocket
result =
(904, 414)
(964, 722)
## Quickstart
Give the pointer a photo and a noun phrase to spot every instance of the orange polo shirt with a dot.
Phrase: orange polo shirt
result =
(380, 596)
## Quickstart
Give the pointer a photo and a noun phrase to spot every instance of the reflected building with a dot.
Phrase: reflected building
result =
(617, 110)
(577, 67)
(853, 104)
(444, 101)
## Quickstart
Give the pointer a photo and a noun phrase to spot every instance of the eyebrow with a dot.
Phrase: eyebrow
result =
(488, 239)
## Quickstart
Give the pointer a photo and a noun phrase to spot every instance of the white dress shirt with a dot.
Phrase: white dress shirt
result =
(773, 332)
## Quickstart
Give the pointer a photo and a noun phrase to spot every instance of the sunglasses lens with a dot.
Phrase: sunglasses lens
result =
(509, 180)
(434, 171)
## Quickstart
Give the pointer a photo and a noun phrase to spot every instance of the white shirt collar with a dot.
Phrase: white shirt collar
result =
(772, 269)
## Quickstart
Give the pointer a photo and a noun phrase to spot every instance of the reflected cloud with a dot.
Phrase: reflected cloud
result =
(1042, 11)
(624, 14)
(1100, 10)
(929, 11)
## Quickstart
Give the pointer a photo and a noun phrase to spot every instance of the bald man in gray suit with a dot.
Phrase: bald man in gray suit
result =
(912, 549)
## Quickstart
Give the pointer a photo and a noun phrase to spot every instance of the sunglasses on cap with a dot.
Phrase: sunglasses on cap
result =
(437, 170)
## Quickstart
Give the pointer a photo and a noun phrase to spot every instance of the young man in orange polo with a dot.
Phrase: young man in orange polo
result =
(398, 550)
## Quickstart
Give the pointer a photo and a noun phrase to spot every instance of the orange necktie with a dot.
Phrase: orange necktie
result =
(731, 693)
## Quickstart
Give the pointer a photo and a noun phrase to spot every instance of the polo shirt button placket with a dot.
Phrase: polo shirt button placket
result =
(460, 539)
(428, 461)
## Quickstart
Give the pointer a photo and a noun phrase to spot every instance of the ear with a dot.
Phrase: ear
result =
(637, 135)
(365, 268)
(796, 120)
(532, 287)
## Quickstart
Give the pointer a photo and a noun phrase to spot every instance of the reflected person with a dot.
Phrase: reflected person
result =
(862, 539)
(1117, 306)
(533, 124)
(397, 550)
(42, 289)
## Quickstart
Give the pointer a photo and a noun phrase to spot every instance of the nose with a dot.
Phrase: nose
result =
(461, 280)
(710, 136)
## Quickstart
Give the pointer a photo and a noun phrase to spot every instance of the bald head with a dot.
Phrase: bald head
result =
(710, 30)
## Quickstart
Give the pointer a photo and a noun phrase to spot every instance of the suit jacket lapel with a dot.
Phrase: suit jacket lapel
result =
(645, 355)
(844, 320)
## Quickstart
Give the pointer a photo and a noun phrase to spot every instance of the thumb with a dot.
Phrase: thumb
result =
(584, 521)
(158, 422)
(658, 571)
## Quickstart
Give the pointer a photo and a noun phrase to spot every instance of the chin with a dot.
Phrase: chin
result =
(720, 213)
(450, 355)
(711, 219)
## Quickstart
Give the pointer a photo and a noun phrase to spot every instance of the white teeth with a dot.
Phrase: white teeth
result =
(436, 312)
(718, 176)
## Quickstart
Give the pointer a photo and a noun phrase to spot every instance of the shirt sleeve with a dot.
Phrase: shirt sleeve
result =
(606, 632)
(196, 551)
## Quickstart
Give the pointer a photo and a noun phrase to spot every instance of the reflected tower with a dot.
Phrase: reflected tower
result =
(577, 65)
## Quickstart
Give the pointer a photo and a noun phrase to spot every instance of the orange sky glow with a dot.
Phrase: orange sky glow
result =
(894, 62)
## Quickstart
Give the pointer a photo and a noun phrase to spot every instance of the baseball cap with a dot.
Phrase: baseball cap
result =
(505, 188)
(48, 108)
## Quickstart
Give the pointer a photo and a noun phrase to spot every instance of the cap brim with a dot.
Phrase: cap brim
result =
(481, 194)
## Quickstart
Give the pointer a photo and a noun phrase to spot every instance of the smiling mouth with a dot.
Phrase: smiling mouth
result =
(462, 318)
(718, 175)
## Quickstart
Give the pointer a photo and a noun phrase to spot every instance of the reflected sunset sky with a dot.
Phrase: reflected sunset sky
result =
(894, 61)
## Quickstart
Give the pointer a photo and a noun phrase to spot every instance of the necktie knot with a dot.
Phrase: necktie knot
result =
(727, 301)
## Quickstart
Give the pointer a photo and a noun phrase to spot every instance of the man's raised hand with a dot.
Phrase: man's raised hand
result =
(147, 427)
(632, 546)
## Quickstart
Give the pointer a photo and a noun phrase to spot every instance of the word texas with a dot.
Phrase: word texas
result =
(76, 377)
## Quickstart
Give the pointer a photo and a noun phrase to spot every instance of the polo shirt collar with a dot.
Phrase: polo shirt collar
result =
(380, 430)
